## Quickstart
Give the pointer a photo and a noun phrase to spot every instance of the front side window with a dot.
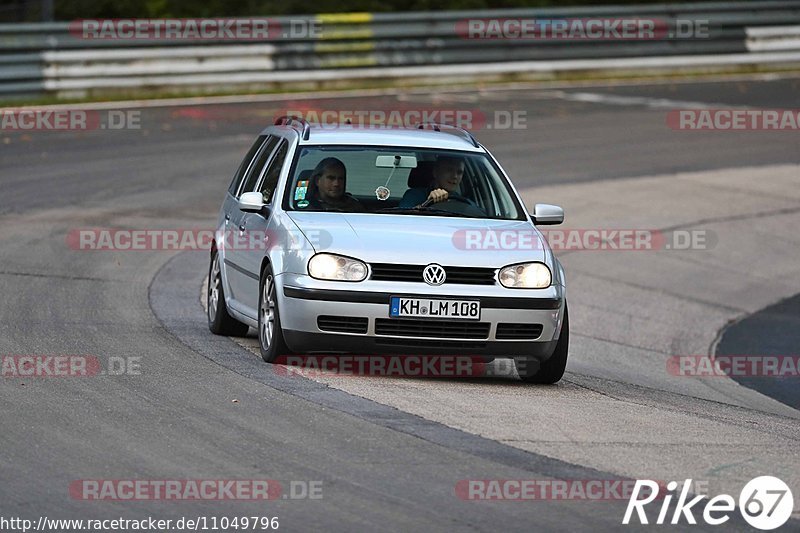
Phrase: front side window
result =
(400, 181)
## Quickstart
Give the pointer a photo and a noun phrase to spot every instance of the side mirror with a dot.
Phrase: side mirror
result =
(251, 202)
(546, 215)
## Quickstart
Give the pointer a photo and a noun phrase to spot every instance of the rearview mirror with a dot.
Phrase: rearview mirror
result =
(397, 161)
(251, 202)
(546, 215)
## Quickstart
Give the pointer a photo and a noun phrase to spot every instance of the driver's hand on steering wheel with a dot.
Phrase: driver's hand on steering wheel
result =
(437, 195)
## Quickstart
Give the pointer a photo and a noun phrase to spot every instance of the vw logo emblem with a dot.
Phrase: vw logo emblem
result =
(433, 274)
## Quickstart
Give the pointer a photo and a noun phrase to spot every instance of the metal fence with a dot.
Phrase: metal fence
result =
(56, 59)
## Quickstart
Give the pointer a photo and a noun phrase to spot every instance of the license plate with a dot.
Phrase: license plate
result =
(432, 308)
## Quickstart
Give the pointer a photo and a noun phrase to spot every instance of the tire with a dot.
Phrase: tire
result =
(219, 321)
(552, 370)
(270, 333)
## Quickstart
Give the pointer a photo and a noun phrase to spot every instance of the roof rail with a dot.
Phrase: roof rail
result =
(459, 130)
(288, 120)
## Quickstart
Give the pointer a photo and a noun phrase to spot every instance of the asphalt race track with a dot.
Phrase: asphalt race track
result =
(388, 453)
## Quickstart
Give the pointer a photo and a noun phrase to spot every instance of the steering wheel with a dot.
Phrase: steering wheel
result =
(459, 205)
(458, 199)
(429, 202)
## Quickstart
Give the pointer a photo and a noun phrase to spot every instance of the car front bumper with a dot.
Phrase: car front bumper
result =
(302, 299)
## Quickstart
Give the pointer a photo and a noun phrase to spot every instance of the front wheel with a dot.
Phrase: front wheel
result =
(552, 370)
(270, 334)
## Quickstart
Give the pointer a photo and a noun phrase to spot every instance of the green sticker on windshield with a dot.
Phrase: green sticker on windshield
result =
(302, 203)
(301, 190)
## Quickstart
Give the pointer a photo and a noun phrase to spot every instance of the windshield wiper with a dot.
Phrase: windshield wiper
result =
(423, 211)
(396, 209)
(322, 210)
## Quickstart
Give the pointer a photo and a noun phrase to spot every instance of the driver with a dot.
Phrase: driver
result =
(447, 174)
(329, 181)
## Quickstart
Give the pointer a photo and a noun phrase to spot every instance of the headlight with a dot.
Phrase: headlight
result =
(526, 276)
(337, 268)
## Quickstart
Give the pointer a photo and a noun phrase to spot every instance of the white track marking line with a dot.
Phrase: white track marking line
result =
(652, 103)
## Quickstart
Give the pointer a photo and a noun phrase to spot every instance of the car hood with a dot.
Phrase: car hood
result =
(409, 239)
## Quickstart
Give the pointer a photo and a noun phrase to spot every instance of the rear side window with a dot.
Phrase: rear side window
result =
(245, 164)
(270, 182)
(253, 173)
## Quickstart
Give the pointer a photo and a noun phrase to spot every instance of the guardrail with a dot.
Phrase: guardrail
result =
(56, 59)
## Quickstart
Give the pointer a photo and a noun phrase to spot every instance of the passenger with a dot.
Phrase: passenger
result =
(328, 186)
(447, 174)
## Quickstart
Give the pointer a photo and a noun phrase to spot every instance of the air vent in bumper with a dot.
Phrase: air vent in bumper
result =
(342, 324)
(511, 331)
(437, 329)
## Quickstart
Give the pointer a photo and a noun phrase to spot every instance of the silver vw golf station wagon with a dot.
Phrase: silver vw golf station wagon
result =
(357, 240)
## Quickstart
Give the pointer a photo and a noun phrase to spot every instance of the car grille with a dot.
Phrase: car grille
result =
(342, 324)
(509, 331)
(431, 344)
(413, 273)
(440, 329)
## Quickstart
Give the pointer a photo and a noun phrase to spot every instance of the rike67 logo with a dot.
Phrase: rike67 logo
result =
(765, 503)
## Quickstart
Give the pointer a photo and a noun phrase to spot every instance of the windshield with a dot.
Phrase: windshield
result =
(399, 181)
